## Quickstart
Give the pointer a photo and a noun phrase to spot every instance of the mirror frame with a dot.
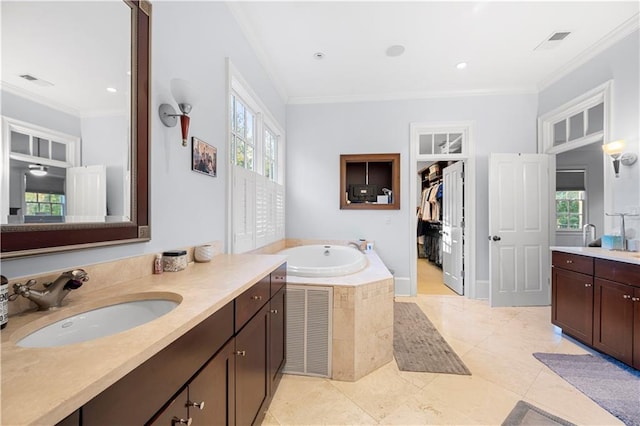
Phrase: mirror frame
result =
(29, 240)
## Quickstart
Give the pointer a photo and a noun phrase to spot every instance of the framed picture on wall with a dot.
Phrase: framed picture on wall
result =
(203, 157)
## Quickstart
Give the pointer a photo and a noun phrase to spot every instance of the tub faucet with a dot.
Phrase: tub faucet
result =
(54, 292)
(358, 245)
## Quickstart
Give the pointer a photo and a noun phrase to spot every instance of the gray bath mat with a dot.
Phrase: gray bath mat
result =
(611, 384)
(418, 346)
(526, 414)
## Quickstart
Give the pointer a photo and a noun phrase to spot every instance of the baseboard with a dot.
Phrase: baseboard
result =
(402, 286)
(482, 290)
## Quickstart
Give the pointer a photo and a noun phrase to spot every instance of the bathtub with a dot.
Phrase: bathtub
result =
(323, 260)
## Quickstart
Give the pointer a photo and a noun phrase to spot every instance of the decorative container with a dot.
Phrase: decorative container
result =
(174, 261)
(203, 253)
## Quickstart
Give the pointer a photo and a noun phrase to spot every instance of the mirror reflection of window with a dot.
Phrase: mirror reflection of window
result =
(571, 197)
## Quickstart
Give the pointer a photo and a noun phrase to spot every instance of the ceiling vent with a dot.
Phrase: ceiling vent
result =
(553, 40)
(36, 80)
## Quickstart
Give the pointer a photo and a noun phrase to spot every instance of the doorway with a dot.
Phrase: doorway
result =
(440, 228)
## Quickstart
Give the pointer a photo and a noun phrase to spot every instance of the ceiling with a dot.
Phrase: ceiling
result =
(79, 47)
(497, 39)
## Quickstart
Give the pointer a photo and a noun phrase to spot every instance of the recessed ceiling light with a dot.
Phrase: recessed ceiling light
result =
(318, 55)
(111, 89)
(461, 65)
(395, 50)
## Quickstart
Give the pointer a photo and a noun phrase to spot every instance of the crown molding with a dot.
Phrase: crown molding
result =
(626, 28)
(397, 96)
(236, 10)
(15, 90)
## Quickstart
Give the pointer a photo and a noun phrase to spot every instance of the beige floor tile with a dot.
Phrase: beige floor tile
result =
(473, 396)
(553, 394)
(495, 343)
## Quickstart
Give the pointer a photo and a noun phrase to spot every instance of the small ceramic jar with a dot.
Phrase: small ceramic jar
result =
(175, 260)
(203, 253)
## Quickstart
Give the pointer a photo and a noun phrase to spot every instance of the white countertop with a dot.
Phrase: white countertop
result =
(44, 385)
(600, 253)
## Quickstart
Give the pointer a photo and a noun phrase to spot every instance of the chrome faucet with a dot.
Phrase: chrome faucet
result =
(622, 230)
(54, 292)
(590, 229)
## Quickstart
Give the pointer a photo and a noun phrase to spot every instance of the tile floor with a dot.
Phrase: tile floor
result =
(496, 345)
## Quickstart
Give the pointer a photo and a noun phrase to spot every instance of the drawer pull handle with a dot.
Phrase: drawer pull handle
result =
(626, 296)
(256, 297)
(636, 299)
(241, 353)
(279, 278)
(587, 285)
(274, 311)
(569, 261)
(179, 421)
(199, 405)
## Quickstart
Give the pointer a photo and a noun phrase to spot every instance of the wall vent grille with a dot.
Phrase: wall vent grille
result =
(309, 325)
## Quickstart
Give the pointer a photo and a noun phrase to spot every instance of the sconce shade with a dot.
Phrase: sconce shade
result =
(183, 93)
(614, 148)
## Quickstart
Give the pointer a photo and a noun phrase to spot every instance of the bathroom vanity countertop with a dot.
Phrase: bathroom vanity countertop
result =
(600, 253)
(44, 385)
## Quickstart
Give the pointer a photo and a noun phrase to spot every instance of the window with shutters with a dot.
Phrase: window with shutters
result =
(256, 144)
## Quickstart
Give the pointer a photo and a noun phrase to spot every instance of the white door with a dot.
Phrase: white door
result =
(86, 194)
(453, 226)
(518, 228)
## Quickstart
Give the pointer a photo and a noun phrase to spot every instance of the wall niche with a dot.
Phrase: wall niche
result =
(370, 181)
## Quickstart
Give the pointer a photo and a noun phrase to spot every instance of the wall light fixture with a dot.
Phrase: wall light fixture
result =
(184, 96)
(38, 170)
(615, 150)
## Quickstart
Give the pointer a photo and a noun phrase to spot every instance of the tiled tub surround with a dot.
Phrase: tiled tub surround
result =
(43, 385)
(362, 318)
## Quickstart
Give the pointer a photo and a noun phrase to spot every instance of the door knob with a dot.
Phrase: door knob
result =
(496, 238)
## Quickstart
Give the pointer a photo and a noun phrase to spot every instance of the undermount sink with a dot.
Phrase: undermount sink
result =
(98, 322)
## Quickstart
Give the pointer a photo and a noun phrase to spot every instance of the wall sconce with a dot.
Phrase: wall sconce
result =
(38, 170)
(615, 151)
(184, 95)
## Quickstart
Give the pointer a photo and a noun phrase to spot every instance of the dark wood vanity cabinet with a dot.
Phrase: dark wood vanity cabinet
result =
(600, 305)
(222, 372)
(572, 295)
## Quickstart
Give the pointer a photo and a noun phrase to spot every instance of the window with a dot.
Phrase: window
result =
(570, 200)
(41, 204)
(242, 133)
(257, 196)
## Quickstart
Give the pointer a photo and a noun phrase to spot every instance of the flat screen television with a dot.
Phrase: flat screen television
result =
(361, 193)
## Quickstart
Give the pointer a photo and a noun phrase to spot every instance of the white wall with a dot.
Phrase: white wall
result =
(190, 40)
(620, 63)
(318, 134)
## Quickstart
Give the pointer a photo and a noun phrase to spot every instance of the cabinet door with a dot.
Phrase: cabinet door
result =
(251, 368)
(211, 392)
(173, 414)
(613, 319)
(572, 303)
(276, 340)
(636, 329)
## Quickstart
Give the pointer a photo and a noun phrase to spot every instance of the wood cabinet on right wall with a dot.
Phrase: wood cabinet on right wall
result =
(599, 305)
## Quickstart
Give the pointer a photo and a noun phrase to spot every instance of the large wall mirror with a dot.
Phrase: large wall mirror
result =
(75, 125)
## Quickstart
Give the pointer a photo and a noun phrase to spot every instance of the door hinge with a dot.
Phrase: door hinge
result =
(462, 224)
(462, 175)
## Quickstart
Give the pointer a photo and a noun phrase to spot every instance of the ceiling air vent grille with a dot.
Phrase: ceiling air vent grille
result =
(553, 40)
(36, 80)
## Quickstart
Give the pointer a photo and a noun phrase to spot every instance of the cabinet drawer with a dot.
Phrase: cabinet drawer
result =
(572, 262)
(278, 279)
(626, 273)
(250, 302)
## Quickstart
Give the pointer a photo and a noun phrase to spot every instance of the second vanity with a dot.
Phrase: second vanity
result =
(596, 299)
(229, 324)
